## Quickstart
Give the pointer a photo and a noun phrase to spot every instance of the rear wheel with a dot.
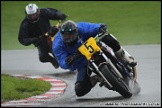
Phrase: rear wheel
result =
(118, 84)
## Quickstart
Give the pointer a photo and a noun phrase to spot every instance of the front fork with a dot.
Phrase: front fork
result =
(96, 68)
(107, 61)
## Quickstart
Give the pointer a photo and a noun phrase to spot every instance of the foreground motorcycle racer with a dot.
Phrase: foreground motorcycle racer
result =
(33, 28)
(67, 42)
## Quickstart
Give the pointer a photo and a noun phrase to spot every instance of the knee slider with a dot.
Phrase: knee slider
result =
(81, 88)
(78, 90)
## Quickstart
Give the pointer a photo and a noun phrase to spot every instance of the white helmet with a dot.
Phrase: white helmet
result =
(32, 12)
(31, 9)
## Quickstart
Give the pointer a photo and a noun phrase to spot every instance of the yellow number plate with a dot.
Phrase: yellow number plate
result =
(89, 48)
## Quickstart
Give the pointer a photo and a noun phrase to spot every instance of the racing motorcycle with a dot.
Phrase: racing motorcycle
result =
(102, 61)
(49, 38)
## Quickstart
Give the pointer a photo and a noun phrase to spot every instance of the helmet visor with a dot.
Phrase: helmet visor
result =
(33, 17)
(69, 36)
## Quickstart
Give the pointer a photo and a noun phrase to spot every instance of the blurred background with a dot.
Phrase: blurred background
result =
(131, 22)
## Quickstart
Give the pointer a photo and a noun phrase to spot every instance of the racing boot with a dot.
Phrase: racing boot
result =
(125, 57)
(55, 63)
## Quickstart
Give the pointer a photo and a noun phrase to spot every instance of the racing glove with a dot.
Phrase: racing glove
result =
(102, 28)
(62, 16)
(69, 60)
(36, 40)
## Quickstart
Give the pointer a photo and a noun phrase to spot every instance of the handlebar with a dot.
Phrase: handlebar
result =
(57, 25)
(99, 35)
(78, 54)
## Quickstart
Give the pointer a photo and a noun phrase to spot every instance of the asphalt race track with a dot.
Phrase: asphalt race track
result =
(149, 78)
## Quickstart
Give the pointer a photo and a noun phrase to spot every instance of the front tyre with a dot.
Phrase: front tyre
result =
(117, 82)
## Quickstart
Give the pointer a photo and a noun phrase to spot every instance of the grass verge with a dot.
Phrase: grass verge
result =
(131, 22)
(13, 88)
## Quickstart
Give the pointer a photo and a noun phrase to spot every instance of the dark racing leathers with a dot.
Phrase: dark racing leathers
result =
(61, 51)
(29, 33)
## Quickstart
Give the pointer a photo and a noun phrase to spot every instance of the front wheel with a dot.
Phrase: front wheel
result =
(117, 82)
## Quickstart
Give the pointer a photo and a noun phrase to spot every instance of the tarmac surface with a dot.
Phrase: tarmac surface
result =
(26, 63)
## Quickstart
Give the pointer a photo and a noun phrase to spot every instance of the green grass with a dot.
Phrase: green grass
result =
(132, 22)
(15, 88)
